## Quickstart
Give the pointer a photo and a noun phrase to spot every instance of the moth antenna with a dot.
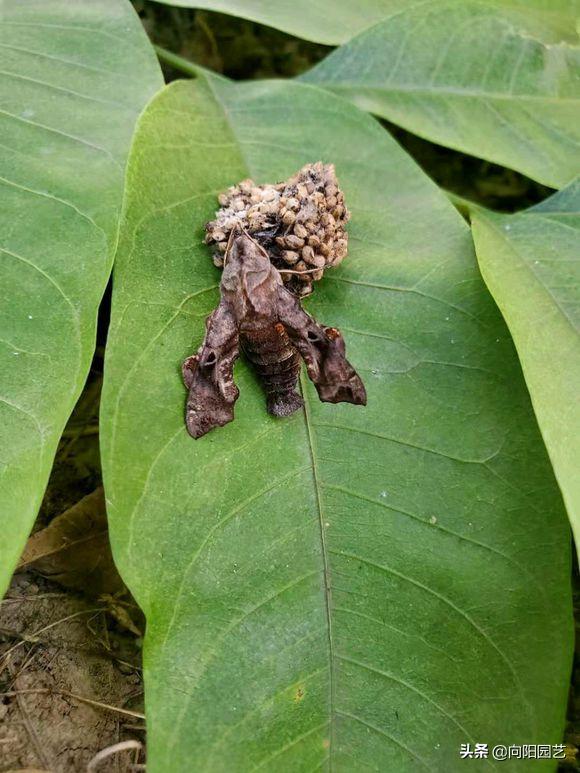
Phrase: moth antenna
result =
(233, 232)
(289, 271)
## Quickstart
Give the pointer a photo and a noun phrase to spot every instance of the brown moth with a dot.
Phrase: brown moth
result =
(259, 315)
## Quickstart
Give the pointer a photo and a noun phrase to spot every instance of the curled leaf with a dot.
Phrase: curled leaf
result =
(74, 549)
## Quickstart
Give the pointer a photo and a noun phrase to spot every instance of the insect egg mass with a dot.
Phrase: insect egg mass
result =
(300, 222)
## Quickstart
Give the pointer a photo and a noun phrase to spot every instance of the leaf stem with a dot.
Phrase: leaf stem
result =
(177, 62)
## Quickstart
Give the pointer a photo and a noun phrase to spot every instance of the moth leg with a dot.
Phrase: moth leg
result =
(208, 375)
(323, 352)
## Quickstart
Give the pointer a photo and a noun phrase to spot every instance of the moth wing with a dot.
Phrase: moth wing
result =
(209, 375)
(323, 352)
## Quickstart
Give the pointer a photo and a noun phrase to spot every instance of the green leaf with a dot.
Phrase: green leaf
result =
(531, 264)
(74, 77)
(336, 21)
(468, 76)
(371, 586)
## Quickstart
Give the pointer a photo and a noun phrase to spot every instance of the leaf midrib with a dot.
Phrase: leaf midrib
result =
(326, 567)
(316, 485)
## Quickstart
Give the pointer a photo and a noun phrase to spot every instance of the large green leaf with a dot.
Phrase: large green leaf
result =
(336, 21)
(531, 263)
(73, 79)
(368, 586)
(470, 76)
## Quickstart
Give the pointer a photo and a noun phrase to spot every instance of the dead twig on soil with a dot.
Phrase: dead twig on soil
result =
(39, 597)
(74, 696)
(109, 751)
(101, 652)
(31, 639)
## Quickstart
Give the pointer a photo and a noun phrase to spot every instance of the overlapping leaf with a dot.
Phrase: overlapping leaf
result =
(336, 21)
(366, 588)
(73, 79)
(531, 264)
(472, 76)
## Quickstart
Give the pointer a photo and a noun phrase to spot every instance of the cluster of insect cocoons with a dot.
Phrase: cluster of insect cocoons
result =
(300, 223)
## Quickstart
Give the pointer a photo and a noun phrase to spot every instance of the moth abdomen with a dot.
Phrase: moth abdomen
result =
(277, 364)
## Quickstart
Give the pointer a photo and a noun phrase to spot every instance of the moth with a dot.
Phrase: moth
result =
(259, 316)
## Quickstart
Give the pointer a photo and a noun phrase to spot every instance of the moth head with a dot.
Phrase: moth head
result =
(249, 279)
(244, 251)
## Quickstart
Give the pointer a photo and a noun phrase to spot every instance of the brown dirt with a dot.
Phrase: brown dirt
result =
(82, 653)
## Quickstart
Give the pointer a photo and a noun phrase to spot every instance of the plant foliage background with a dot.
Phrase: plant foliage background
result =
(346, 589)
